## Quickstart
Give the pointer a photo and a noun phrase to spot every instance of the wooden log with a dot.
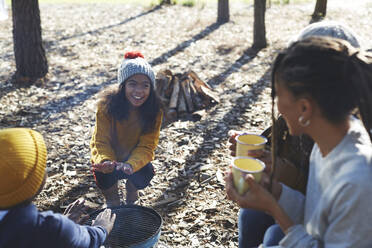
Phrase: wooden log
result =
(168, 88)
(168, 72)
(171, 115)
(164, 100)
(200, 114)
(186, 92)
(209, 94)
(192, 87)
(163, 77)
(160, 81)
(175, 93)
(181, 106)
(198, 82)
(164, 83)
(196, 98)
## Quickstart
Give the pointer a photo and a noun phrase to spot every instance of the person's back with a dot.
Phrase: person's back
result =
(22, 176)
(25, 226)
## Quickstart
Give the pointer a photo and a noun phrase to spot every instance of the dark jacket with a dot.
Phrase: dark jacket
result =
(27, 227)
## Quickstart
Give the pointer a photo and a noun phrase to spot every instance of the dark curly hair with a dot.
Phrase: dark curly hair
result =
(117, 105)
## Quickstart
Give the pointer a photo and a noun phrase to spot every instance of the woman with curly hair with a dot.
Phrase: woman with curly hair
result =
(126, 132)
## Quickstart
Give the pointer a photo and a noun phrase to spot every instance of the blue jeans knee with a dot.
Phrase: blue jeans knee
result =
(273, 235)
(252, 226)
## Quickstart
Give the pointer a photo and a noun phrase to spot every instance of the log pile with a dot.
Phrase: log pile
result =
(183, 93)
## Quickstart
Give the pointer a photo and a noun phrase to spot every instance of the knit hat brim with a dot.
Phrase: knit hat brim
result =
(131, 67)
(22, 165)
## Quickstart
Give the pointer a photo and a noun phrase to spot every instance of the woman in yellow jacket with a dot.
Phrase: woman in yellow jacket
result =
(126, 132)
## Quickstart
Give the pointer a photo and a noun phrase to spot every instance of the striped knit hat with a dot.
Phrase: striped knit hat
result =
(22, 165)
(134, 63)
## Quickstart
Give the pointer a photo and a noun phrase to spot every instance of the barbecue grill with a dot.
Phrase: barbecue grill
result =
(135, 227)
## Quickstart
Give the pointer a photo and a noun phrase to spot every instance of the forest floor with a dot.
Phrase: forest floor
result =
(85, 43)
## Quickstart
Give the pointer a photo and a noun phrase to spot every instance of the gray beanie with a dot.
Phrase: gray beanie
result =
(134, 63)
(330, 29)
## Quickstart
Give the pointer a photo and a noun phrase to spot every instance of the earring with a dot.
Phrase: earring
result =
(302, 123)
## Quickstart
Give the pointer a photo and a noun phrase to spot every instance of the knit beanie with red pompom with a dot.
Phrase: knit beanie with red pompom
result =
(134, 63)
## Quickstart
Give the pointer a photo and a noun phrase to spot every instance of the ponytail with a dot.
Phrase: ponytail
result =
(274, 139)
(358, 70)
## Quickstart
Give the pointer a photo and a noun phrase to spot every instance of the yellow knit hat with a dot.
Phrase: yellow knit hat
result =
(22, 165)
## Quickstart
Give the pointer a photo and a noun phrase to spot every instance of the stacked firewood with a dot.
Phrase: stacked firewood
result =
(183, 93)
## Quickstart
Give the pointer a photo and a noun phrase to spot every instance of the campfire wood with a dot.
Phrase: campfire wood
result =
(183, 93)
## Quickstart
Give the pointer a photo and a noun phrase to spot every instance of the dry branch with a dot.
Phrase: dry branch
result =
(181, 108)
(186, 92)
(197, 81)
(209, 94)
(175, 93)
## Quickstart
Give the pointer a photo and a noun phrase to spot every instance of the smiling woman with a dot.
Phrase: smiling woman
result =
(137, 89)
(127, 130)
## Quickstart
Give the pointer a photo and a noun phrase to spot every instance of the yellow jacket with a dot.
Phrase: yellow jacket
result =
(118, 140)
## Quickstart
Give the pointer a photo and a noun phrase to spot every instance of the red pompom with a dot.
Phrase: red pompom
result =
(133, 55)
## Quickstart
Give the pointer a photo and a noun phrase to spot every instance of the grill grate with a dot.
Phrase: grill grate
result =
(134, 225)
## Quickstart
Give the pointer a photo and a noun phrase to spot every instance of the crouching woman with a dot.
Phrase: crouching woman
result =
(126, 133)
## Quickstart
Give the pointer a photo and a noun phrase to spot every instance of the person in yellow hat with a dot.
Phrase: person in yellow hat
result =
(22, 177)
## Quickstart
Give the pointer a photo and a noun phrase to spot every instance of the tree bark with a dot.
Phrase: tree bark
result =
(223, 14)
(31, 62)
(259, 30)
(320, 10)
(165, 2)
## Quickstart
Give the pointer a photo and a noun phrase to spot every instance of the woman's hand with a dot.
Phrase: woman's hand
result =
(264, 156)
(232, 141)
(76, 212)
(124, 167)
(105, 167)
(252, 153)
(260, 199)
(257, 196)
(105, 219)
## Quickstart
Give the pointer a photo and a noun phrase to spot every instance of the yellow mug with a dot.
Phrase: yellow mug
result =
(240, 166)
(247, 142)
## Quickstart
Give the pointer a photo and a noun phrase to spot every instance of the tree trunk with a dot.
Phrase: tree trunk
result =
(259, 30)
(223, 11)
(320, 10)
(31, 62)
(165, 2)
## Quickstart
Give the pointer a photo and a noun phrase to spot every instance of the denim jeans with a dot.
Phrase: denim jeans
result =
(140, 179)
(273, 235)
(252, 226)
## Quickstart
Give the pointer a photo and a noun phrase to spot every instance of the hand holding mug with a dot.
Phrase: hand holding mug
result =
(232, 135)
(256, 198)
(242, 166)
(249, 144)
